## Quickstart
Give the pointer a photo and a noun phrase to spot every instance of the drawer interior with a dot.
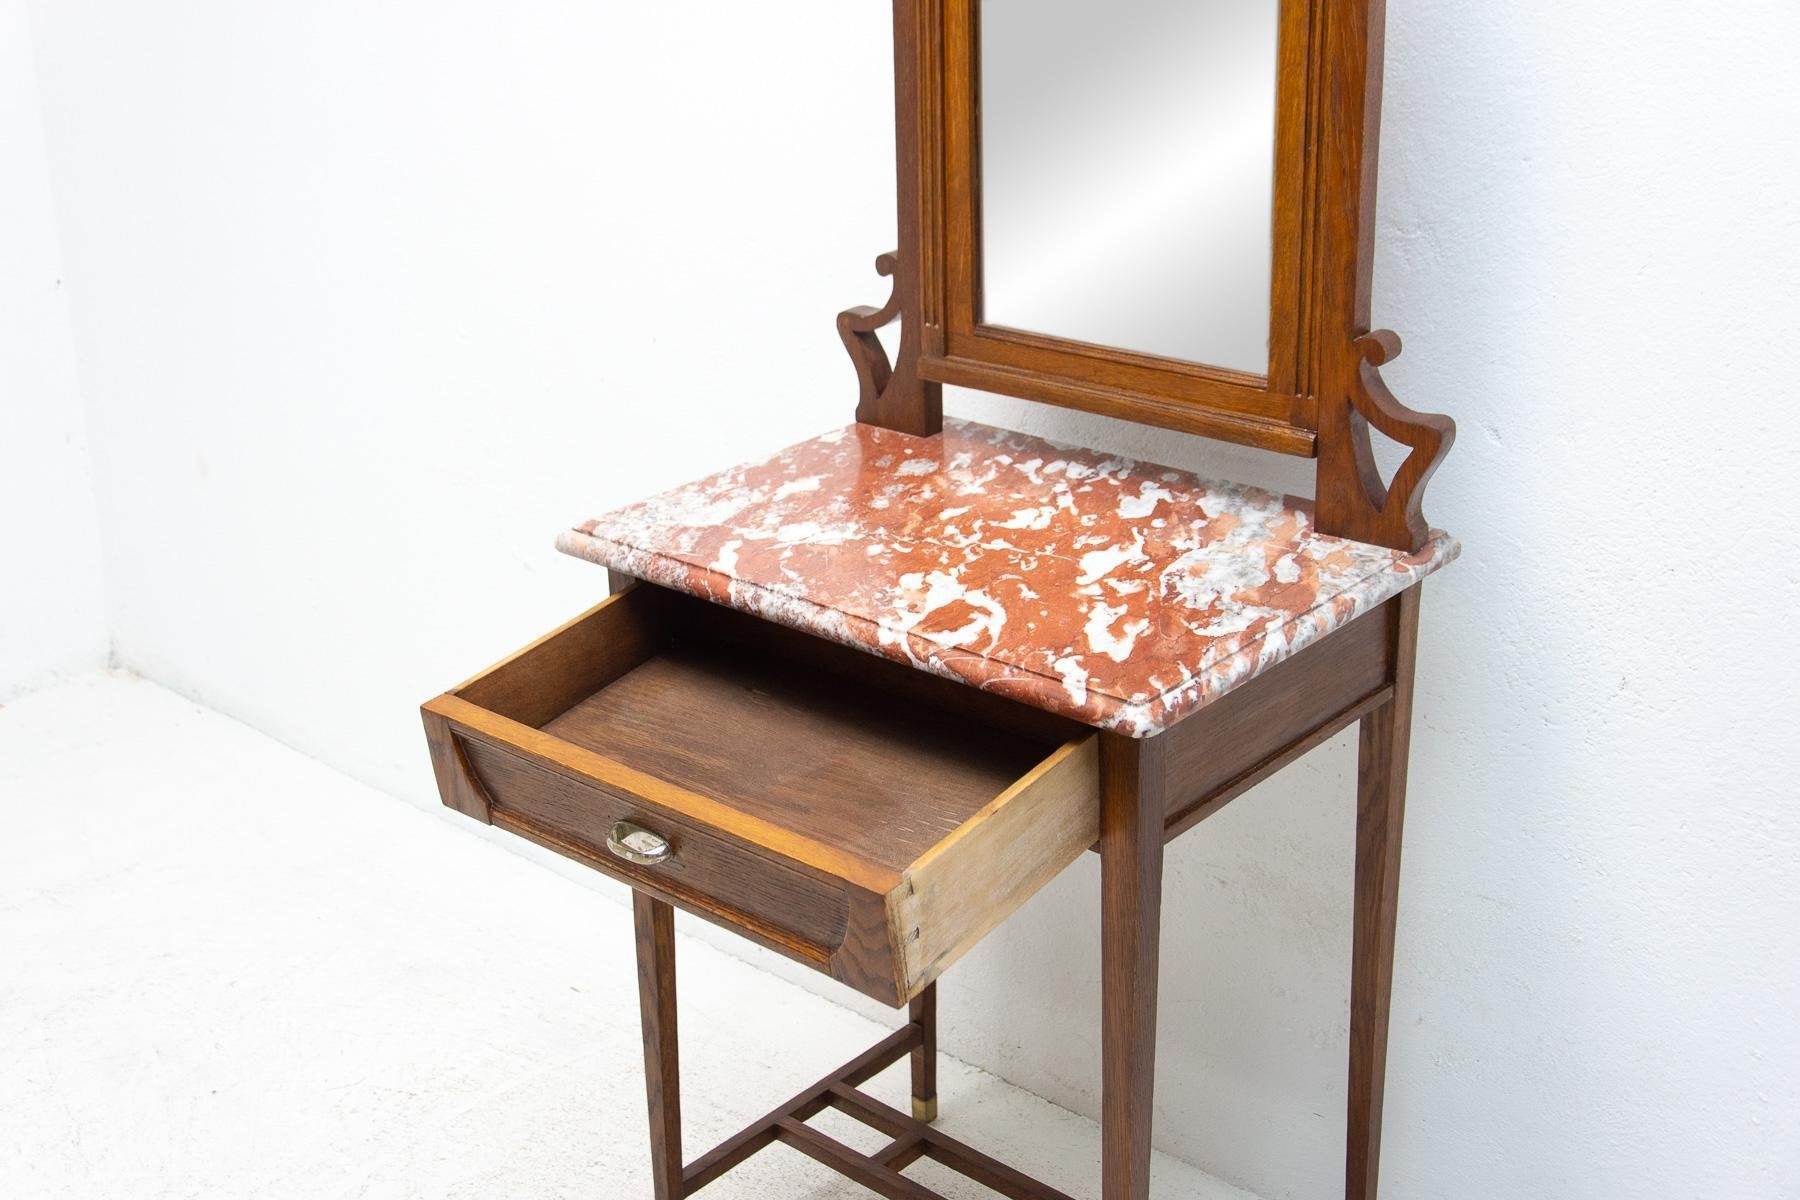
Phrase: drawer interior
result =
(783, 764)
(851, 765)
(874, 758)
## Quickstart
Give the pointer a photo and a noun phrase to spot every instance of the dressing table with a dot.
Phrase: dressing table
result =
(857, 702)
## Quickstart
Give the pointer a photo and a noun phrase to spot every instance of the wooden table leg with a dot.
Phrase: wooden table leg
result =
(923, 1011)
(662, 1067)
(1380, 813)
(1131, 860)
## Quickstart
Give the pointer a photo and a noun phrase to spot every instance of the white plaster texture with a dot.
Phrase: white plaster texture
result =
(348, 275)
(231, 971)
(52, 603)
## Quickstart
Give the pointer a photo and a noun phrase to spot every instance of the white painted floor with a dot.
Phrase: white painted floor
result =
(228, 971)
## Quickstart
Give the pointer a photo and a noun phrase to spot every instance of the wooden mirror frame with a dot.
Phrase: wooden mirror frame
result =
(1323, 389)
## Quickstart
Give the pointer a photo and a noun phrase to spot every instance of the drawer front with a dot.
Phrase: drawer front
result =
(706, 872)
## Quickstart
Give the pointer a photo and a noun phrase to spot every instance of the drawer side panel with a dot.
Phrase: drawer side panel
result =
(951, 898)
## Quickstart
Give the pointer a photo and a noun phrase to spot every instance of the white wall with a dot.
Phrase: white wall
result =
(52, 614)
(372, 297)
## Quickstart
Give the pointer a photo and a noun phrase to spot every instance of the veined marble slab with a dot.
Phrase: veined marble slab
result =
(1122, 594)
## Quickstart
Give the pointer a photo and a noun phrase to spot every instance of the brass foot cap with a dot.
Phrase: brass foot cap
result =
(925, 1110)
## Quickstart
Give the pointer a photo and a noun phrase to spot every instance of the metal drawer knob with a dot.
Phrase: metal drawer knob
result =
(634, 843)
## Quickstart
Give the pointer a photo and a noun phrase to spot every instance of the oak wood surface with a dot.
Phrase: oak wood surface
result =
(693, 622)
(472, 724)
(844, 765)
(1133, 776)
(912, 1138)
(1290, 330)
(852, 1165)
(1352, 499)
(805, 913)
(1192, 814)
(1380, 819)
(1241, 738)
(804, 1106)
(965, 1160)
(1110, 399)
(868, 959)
(904, 399)
(923, 1011)
(571, 661)
(958, 891)
(655, 923)
(456, 781)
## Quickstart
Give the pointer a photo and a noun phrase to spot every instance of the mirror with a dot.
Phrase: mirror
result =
(1127, 173)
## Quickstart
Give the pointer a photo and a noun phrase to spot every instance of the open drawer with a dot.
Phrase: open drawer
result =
(865, 818)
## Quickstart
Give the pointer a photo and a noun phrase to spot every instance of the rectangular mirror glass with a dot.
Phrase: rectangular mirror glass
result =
(1127, 173)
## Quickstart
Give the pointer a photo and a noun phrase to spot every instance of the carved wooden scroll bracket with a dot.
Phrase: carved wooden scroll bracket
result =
(891, 394)
(1353, 500)
(857, 327)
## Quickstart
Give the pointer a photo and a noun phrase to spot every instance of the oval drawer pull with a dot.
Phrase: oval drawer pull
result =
(634, 843)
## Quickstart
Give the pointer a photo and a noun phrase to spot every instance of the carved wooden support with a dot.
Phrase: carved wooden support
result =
(890, 395)
(1353, 501)
(910, 1139)
(894, 395)
(857, 326)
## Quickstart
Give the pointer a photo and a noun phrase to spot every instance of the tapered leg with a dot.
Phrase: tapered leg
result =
(662, 1068)
(1131, 859)
(1380, 811)
(923, 1011)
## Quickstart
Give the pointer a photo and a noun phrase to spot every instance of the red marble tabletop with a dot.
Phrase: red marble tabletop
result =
(1121, 594)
